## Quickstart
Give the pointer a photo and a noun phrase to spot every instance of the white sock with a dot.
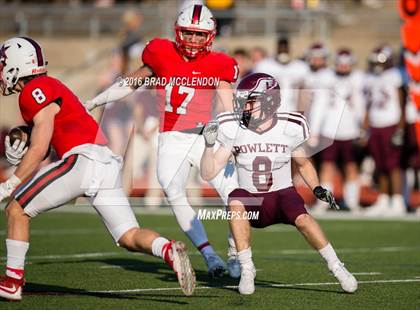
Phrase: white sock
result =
(189, 222)
(351, 194)
(157, 246)
(16, 252)
(329, 255)
(245, 258)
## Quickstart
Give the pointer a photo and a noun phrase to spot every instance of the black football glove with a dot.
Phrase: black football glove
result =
(325, 195)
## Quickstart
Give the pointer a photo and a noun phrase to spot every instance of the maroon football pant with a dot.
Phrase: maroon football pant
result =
(282, 206)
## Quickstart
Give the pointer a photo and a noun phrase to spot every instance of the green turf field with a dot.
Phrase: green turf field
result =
(73, 264)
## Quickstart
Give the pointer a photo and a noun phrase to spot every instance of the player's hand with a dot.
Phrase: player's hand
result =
(90, 105)
(397, 138)
(210, 133)
(325, 195)
(7, 188)
(15, 152)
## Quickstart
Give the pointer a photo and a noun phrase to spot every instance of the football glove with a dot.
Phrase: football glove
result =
(325, 195)
(15, 152)
(210, 133)
(7, 188)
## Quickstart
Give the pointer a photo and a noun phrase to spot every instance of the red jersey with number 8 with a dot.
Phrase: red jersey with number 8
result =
(186, 89)
(73, 126)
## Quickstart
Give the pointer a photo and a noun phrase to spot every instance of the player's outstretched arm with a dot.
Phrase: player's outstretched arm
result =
(308, 173)
(212, 162)
(120, 89)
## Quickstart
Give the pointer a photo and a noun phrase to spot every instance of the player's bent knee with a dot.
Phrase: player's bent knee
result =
(303, 220)
(13, 209)
(236, 205)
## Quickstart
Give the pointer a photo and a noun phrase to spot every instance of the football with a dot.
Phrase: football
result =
(22, 133)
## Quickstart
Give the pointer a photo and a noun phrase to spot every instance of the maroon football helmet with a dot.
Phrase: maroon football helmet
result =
(381, 59)
(255, 87)
(344, 61)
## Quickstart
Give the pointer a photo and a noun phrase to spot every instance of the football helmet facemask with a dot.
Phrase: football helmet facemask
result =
(256, 92)
(19, 57)
(195, 18)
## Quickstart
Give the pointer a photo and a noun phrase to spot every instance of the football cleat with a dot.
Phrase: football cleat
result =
(347, 281)
(176, 256)
(246, 284)
(11, 288)
(215, 265)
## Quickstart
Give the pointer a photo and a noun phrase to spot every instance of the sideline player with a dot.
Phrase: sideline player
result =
(184, 110)
(86, 167)
(346, 113)
(265, 145)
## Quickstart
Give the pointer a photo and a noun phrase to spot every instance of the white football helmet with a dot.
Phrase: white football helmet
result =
(19, 57)
(195, 18)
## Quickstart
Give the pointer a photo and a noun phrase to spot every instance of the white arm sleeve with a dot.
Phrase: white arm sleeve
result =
(116, 91)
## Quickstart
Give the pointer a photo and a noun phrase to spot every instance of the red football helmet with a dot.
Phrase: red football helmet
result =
(195, 18)
(259, 87)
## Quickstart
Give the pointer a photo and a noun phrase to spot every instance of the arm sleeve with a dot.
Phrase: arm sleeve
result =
(228, 129)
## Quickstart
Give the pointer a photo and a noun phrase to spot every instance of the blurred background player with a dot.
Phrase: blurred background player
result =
(184, 110)
(385, 120)
(339, 119)
(86, 167)
(264, 144)
(288, 72)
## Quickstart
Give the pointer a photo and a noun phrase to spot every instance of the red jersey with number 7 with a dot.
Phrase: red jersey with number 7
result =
(73, 126)
(186, 89)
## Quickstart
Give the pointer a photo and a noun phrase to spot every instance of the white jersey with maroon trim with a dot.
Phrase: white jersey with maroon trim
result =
(384, 109)
(317, 88)
(263, 159)
(341, 114)
(290, 77)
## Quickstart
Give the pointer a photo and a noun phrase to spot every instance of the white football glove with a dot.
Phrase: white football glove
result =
(15, 152)
(7, 188)
(210, 133)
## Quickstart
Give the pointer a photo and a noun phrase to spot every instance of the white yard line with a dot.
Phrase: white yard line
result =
(281, 252)
(260, 286)
(366, 273)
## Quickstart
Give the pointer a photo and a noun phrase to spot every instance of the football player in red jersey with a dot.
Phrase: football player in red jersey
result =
(185, 106)
(86, 167)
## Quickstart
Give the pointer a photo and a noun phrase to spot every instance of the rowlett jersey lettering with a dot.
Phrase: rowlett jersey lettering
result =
(185, 94)
(73, 126)
(385, 109)
(263, 159)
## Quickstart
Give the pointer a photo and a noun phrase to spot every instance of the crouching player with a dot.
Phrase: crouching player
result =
(86, 167)
(265, 144)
